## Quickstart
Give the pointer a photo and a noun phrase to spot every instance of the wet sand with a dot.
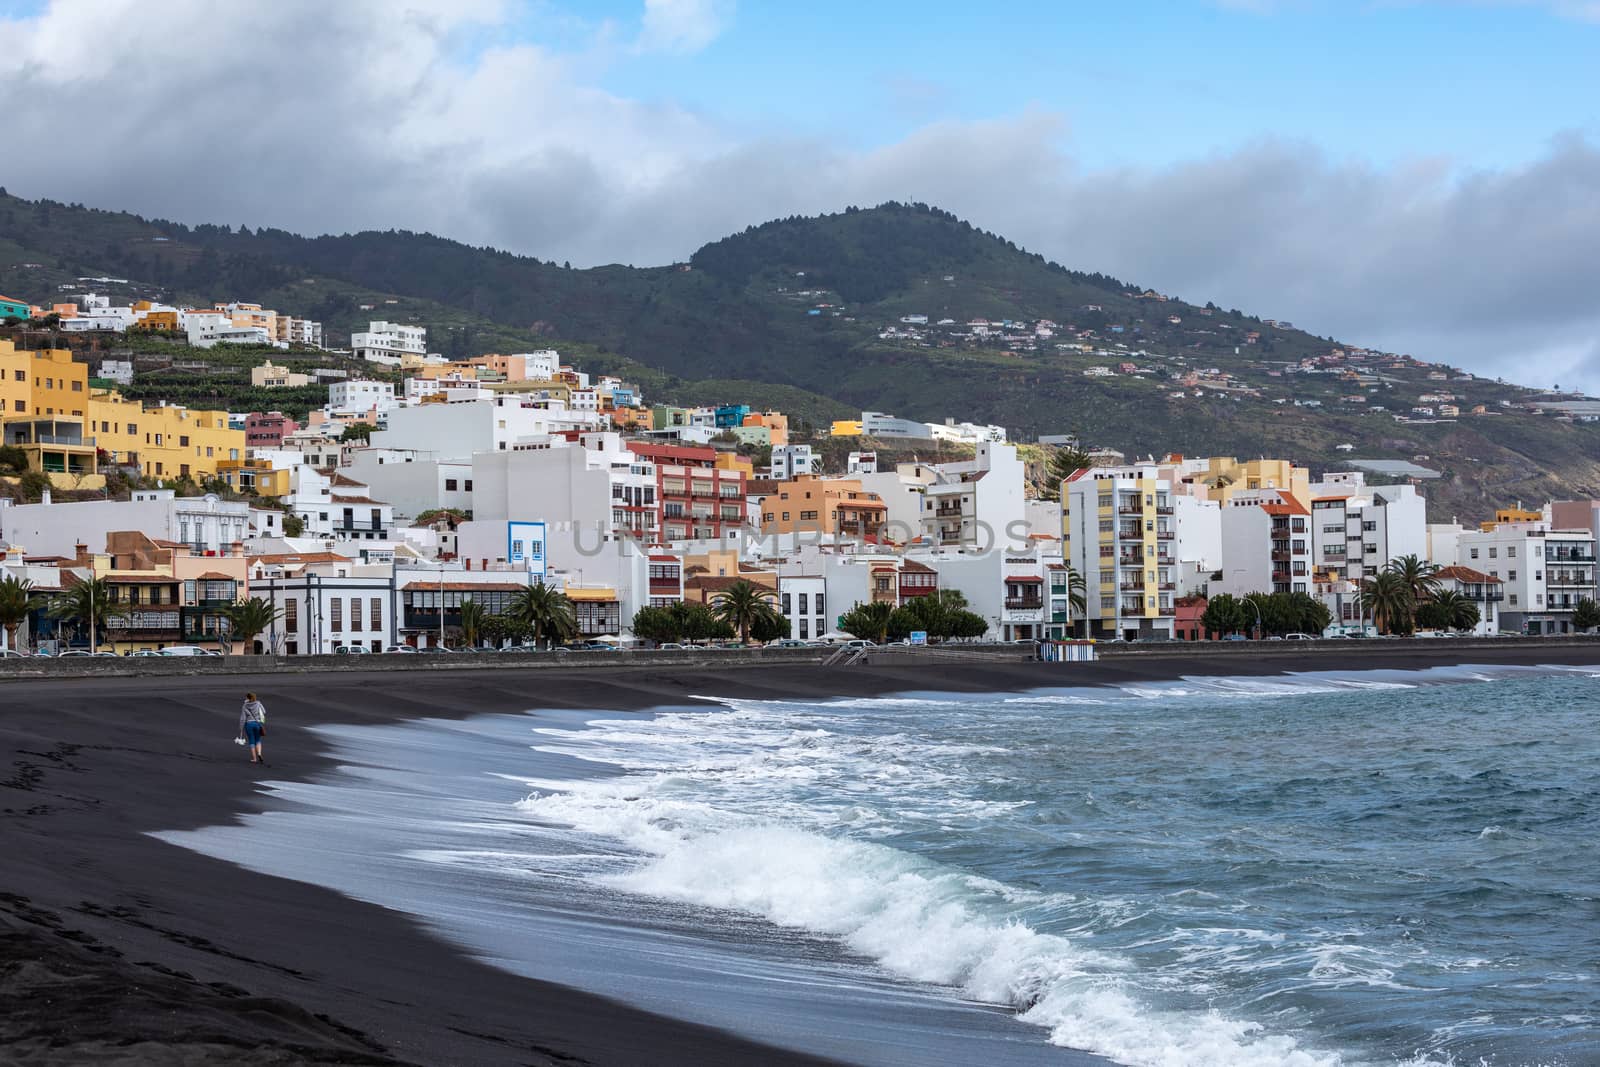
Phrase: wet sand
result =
(118, 948)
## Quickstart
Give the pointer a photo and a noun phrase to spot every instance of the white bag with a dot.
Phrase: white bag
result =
(238, 740)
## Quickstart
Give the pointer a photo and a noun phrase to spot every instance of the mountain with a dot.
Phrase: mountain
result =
(807, 314)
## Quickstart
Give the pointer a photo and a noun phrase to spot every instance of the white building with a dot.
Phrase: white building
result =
(802, 599)
(325, 601)
(791, 461)
(978, 503)
(588, 492)
(1544, 572)
(361, 395)
(333, 505)
(1266, 544)
(389, 342)
(412, 481)
(205, 523)
(116, 370)
(460, 431)
(1357, 529)
(1486, 592)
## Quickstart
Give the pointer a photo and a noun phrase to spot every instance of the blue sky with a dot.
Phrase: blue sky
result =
(1418, 176)
(1143, 83)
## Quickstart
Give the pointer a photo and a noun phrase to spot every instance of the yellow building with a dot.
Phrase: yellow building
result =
(1227, 476)
(163, 441)
(1509, 515)
(255, 475)
(732, 461)
(169, 320)
(846, 428)
(45, 382)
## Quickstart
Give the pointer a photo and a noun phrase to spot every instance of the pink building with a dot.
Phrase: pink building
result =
(267, 429)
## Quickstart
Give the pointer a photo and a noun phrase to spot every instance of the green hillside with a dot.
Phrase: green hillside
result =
(806, 314)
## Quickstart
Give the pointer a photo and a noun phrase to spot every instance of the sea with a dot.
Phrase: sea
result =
(1331, 869)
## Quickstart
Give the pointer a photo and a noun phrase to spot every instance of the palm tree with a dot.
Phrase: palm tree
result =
(17, 602)
(741, 605)
(1077, 597)
(1387, 597)
(249, 619)
(545, 610)
(1420, 576)
(89, 603)
(870, 621)
(472, 616)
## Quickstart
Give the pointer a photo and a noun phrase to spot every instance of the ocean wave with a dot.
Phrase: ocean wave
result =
(916, 919)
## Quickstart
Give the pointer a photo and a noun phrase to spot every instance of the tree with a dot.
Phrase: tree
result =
(770, 627)
(697, 623)
(869, 622)
(1064, 463)
(249, 619)
(1586, 615)
(33, 485)
(1449, 610)
(13, 459)
(657, 625)
(1310, 615)
(1419, 576)
(1225, 614)
(293, 525)
(472, 616)
(17, 602)
(359, 431)
(1386, 596)
(88, 604)
(741, 605)
(544, 610)
(1077, 597)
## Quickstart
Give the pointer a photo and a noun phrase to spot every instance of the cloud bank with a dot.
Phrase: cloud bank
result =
(324, 117)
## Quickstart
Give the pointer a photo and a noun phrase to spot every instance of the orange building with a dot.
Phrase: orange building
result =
(776, 422)
(823, 505)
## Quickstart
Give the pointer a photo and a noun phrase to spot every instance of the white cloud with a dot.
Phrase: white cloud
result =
(683, 25)
(332, 118)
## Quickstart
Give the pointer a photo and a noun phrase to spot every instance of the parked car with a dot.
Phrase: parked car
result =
(350, 650)
(522, 649)
(73, 652)
(11, 653)
(435, 649)
(399, 649)
(1300, 637)
(1236, 637)
(786, 642)
(672, 646)
(187, 650)
(860, 643)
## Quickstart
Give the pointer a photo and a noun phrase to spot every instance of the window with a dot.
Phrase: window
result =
(77, 387)
(803, 603)
(336, 615)
(1474, 553)
(376, 617)
(1511, 576)
(467, 485)
(1511, 552)
(809, 516)
(786, 604)
(805, 629)
(449, 485)
(820, 610)
(1513, 599)
(183, 442)
(355, 614)
(291, 615)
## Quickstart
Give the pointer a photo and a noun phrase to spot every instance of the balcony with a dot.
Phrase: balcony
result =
(1130, 509)
(1280, 576)
(1163, 509)
(1168, 613)
(1568, 557)
(1167, 587)
(1132, 587)
(1024, 603)
(1165, 535)
(1130, 533)
(1280, 555)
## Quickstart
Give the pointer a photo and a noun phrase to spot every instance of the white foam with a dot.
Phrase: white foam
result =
(916, 919)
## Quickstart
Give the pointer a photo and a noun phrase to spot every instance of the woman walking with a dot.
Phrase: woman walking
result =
(253, 726)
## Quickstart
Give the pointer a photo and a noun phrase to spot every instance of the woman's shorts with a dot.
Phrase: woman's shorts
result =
(252, 733)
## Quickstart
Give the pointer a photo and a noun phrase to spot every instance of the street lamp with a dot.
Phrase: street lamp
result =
(441, 605)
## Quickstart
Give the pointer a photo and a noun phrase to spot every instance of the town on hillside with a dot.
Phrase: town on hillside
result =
(422, 503)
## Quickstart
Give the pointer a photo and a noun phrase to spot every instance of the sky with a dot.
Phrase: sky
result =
(1417, 175)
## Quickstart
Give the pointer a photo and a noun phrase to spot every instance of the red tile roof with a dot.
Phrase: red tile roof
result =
(1466, 574)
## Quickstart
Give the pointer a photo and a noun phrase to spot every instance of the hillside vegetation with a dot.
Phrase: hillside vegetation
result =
(806, 314)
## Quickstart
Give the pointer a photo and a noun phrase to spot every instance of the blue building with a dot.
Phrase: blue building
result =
(14, 309)
(731, 415)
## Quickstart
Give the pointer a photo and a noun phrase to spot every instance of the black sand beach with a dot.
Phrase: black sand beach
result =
(116, 947)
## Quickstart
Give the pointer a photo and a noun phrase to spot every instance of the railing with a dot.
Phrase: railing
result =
(1130, 509)
(1024, 603)
(1280, 555)
(1163, 509)
(1165, 535)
